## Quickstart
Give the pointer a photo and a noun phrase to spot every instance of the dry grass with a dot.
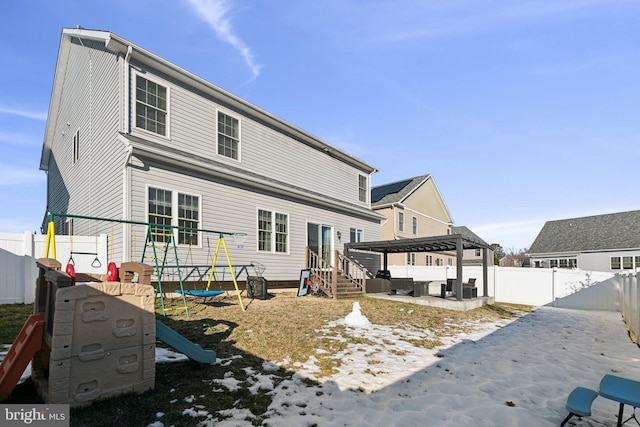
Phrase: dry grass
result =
(282, 328)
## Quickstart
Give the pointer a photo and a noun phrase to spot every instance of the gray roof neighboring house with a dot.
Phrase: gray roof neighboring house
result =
(396, 192)
(465, 232)
(590, 233)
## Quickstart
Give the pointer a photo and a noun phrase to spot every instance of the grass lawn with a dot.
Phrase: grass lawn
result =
(282, 328)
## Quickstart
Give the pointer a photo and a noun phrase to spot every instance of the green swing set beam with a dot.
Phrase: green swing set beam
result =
(51, 245)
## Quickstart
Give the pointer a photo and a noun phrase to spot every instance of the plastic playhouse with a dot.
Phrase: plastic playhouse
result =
(89, 338)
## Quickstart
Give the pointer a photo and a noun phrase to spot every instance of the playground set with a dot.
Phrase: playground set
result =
(94, 336)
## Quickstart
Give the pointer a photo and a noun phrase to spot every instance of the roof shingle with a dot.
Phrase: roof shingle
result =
(590, 233)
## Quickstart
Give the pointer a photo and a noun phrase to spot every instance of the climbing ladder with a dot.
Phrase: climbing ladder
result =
(159, 239)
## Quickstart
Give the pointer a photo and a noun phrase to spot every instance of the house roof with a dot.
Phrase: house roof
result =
(464, 231)
(396, 192)
(131, 51)
(590, 233)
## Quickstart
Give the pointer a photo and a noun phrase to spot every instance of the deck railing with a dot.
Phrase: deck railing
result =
(325, 276)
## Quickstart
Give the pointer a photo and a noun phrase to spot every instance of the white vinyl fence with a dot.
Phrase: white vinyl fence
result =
(530, 286)
(630, 303)
(19, 252)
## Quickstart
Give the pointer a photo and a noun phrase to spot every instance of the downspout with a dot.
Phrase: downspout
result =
(126, 199)
(127, 91)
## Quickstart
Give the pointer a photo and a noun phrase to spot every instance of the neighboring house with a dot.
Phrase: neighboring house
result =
(514, 261)
(413, 208)
(471, 256)
(609, 242)
(132, 136)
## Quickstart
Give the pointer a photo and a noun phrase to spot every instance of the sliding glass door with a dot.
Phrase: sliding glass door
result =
(320, 241)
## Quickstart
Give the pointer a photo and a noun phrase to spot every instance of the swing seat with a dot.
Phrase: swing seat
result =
(199, 293)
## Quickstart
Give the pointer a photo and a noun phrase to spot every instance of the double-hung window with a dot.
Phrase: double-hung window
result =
(411, 258)
(228, 136)
(188, 218)
(151, 106)
(615, 263)
(414, 225)
(362, 188)
(164, 217)
(273, 231)
(356, 235)
(400, 221)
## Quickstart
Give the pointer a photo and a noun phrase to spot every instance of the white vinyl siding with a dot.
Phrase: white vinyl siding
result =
(194, 129)
(231, 209)
(89, 113)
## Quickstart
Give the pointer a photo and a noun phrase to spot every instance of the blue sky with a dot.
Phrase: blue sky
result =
(522, 110)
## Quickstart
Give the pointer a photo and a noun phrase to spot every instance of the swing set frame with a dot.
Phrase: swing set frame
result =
(50, 247)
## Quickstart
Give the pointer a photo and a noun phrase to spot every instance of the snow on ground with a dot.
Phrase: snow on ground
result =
(508, 373)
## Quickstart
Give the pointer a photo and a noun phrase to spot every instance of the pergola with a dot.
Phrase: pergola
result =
(450, 242)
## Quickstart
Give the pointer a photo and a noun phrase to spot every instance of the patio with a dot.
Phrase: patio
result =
(433, 298)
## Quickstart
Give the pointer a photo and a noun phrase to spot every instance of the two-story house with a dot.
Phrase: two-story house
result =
(413, 208)
(131, 136)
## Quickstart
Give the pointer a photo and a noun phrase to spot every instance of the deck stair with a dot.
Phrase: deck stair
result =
(345, 279)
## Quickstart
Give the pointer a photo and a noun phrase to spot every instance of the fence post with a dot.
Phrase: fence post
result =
(29, 269)
(554, 270)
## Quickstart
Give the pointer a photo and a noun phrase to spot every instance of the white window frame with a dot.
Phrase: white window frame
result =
(239, 148)
(411, 258)
(76, 146)
(619, 263)
(414, 225)
(68, 227)
(175, 220)
(363, 190)
(134, 105)
(273, 232)
(429, 260)
(400, 221)
(356, 235)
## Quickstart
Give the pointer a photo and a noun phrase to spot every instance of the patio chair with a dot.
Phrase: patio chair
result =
(446, 289)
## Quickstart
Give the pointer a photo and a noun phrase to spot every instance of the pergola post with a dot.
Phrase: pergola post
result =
(459, 252)
(485, 274)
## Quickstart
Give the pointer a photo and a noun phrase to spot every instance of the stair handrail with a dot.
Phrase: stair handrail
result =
(321, 272)
(355, 272)
(326, 275)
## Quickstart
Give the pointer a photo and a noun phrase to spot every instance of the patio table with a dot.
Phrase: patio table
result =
(622, 390)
